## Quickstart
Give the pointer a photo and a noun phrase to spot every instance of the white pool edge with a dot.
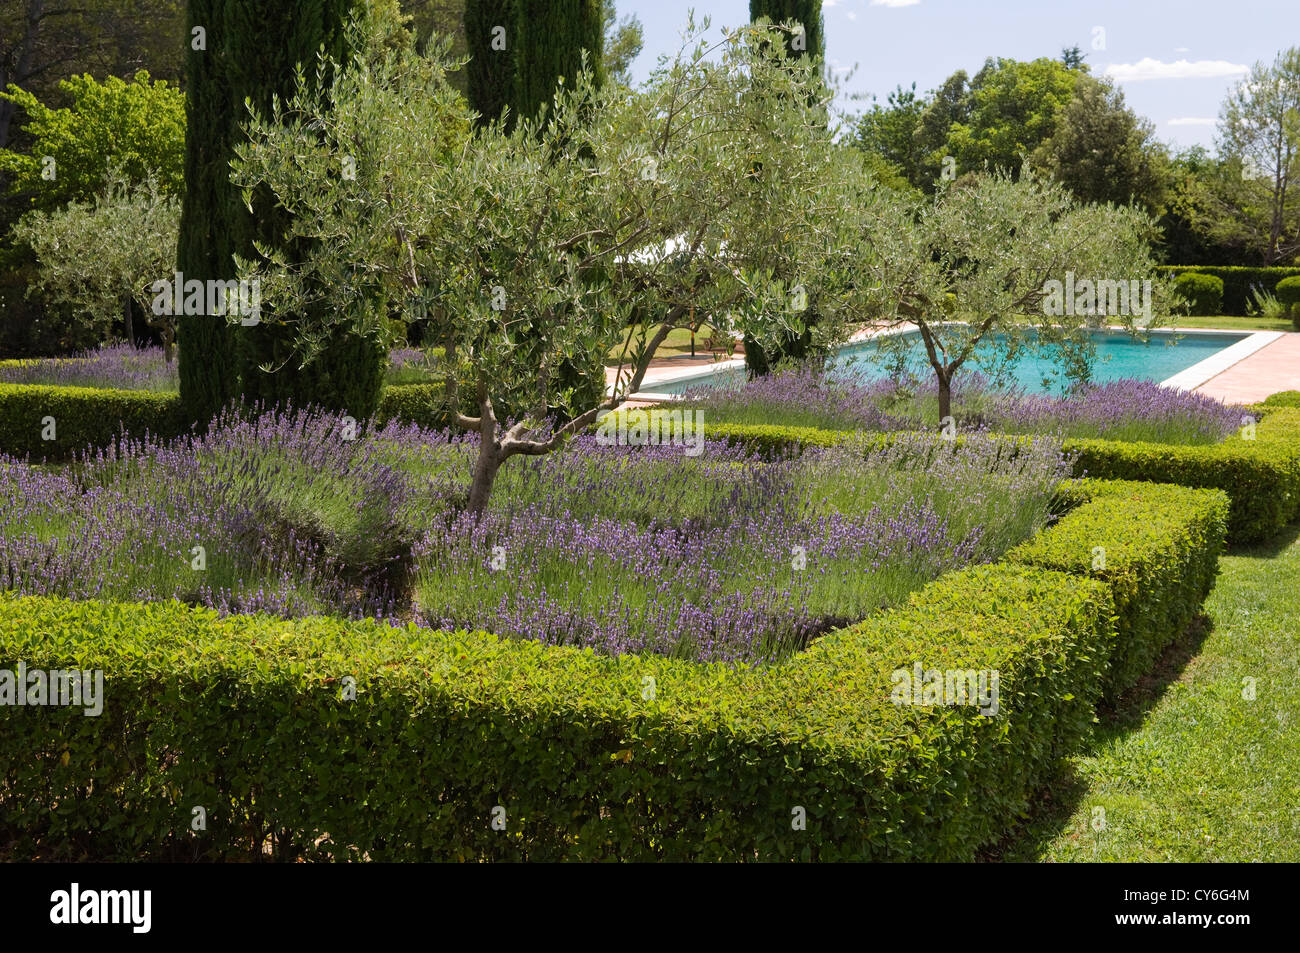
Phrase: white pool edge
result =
(1204, 371)
(1187, 379)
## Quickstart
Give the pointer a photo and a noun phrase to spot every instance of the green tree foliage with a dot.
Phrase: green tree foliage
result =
(42, 41)
(100, 257)
(531, 251)
(137, 127)
(623, 42)
(892, 131)
(1103, 152)
(1254, 203)
(1014, 107)
(971, 269)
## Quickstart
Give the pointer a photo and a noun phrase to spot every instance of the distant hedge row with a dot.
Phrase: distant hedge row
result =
(1237, 281)
(1260, 475)
(89, 417)
(468, 747)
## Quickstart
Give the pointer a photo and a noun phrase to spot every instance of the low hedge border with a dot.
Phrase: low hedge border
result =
(93, 418)
(1261, 476)
(713, 764)
(1156, 546)
(82, 418)
(447, 729)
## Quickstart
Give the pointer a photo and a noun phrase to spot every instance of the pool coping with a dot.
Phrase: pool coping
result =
(1189, 378)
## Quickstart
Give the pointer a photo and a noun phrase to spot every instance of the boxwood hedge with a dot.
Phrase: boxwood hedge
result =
(82, 417)
(1237, 281)
(586, 757)
(1155, 545)
(573, 755)
(91, 417)
(1260, 475)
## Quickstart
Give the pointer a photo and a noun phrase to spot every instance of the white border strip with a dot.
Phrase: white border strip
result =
(1218, 362)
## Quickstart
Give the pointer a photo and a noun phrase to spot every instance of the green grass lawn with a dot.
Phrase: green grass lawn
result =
(677, 344)
(1188, 769)
(1232, 323)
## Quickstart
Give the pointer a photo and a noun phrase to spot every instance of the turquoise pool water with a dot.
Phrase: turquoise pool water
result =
(1118, 356)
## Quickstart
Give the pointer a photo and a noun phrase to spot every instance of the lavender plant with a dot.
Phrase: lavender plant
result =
(724, 556)
(1118, 410)
(117, 366)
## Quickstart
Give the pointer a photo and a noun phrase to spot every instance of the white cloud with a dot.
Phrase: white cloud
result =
(851, 15)
(1182, 49)
(1190, 121)
(1149, 68)
(894, 3)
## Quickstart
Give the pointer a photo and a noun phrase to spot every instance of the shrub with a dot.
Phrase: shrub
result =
(245, 715)
(1288, 292)
(1156, 546)
(1204, 293)
(1285, 398)
(420, 404)
(83, 418)
(1237, 282)
(1261, 476)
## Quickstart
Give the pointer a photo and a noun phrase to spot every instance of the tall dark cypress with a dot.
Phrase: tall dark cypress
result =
(492, 41)
(252, 49)
(519, 49)
(808, 13)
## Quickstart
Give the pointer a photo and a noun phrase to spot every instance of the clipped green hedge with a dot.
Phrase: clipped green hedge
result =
(1261, 476)
(421, 404)
(1155, 545)
(244, 717)
(1237, 281)
(92, 418)
(84, 418)
(1204, 293)
(1285, 398)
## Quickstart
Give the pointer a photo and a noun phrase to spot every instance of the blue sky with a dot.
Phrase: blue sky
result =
(1175, 59)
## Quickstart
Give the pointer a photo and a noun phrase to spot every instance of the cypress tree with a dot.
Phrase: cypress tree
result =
(519, 49)
(543, 41)
(808, 13)
(492, 41)
(252, 48)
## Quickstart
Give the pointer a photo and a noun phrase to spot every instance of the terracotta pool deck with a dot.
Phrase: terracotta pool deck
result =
(1272, 368)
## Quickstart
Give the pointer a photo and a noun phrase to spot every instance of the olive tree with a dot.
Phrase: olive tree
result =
(528, 249)
(100, 257)
(992, 268)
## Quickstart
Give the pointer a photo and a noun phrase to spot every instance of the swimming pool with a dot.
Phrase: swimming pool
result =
(1162, 358)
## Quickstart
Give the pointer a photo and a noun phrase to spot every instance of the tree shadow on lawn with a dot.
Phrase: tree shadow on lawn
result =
(1053, 805)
